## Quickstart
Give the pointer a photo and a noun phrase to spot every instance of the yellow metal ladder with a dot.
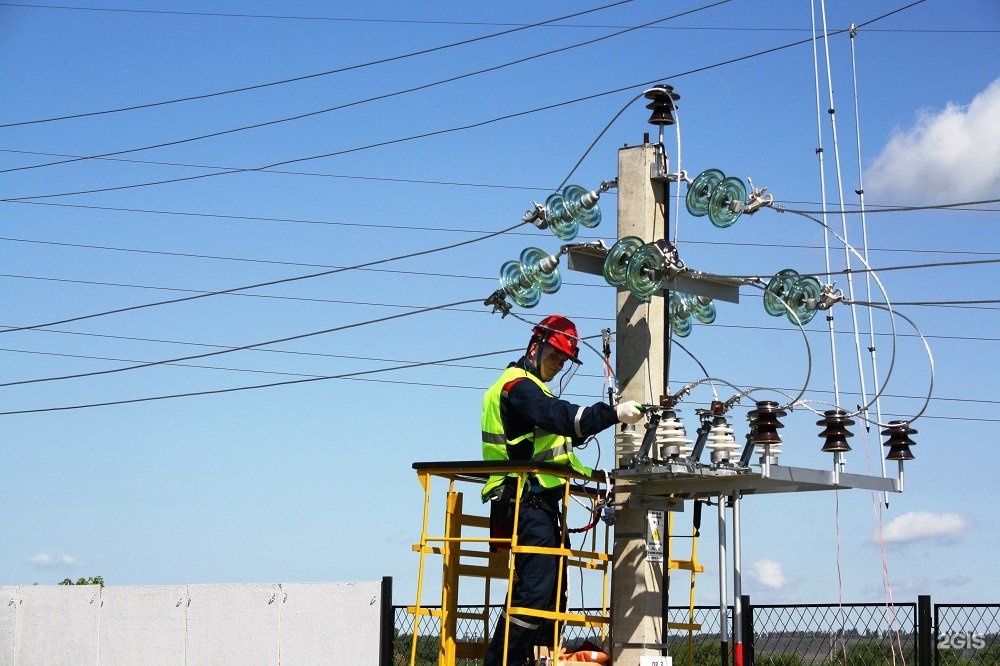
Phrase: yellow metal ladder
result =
(693, 567)
(464, 546)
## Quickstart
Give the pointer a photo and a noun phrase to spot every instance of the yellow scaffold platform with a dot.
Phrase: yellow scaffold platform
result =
(469, 552)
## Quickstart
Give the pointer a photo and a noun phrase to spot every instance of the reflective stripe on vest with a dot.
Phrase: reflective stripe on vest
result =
(547, 447)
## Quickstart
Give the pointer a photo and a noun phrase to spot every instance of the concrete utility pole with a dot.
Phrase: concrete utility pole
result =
(636, 594)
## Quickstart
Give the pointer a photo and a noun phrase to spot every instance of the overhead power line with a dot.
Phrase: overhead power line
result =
(290, 338)
(895, 209)
(364, 375)
(936, 264)
(445, 363)
(404, 21)
(330, 72)
(265, 284)
(188, 343)
(473, 125)
(284, 172)
(244, 295)
(394, 95)
(257, 370)
(279, 262)
(779, 207)
(348, 375)
(940, 264)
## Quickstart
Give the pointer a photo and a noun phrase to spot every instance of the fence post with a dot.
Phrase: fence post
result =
(747, 622)
(388, 629)
(925, 631)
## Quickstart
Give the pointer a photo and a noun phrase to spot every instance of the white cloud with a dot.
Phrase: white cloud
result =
(949, 155)
(769, 574)
(923, 526)
(45, 561)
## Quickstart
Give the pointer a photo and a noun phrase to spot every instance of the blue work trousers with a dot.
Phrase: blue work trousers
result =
(535, 584)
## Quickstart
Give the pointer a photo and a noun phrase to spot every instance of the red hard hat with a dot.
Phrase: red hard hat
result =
(559, 332)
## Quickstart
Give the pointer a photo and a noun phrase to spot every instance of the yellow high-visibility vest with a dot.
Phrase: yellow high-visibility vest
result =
(547, 447)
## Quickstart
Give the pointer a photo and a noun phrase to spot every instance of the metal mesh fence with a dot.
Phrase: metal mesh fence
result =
(468, 630)
(703, 645)
(834, 635)
(967, 634)
(783, 635)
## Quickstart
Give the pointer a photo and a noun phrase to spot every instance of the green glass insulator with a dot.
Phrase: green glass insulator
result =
(517, 286)
(562, 224)
(573, 201)
(777, 291)
(805, 294)
(727, 202)
(616, 263)
(703, 309)
(644, 275)
(700, 191)
(679, 315)
(531, 264)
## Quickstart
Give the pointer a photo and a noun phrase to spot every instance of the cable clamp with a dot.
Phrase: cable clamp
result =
(536, 216)
(499, 302)
(757, 199)
(827, 298)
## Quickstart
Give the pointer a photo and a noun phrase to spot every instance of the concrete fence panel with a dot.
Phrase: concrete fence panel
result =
(246, 624)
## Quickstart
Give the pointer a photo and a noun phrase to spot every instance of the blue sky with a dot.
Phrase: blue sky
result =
(373, 143)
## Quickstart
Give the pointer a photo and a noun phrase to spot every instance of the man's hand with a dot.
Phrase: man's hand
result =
(629, 411)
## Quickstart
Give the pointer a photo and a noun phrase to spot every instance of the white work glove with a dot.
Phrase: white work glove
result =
(629, 411)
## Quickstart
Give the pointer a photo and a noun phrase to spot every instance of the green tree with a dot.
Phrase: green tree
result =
(703, 653)
(93, 580)
(870, 654)
(427, 649)
(784, 659)
(988, 655)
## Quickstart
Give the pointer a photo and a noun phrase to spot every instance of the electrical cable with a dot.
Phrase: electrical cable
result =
(867, 269)
(927, 348)
(265, 284)
(286, 172)
(593, 143)
(885, 295)
(872, 357)
(839, 460)
(809, 363)
(250, 218)
(708, 377)
(288, 17)
(892, 314)
(893, 337)
(464, 23)
(303, 299)
(532, 233)
(433, 133)
(394, 94)
(680, 176)
(820, 156)
(319, 354)
(855, 325)
(251, 370)
(967, 302)
(304, 77)
(358, 375)
(348, 375)
(192, 357)
(898, 209)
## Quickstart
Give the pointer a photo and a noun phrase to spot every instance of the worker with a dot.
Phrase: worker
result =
(524, 421)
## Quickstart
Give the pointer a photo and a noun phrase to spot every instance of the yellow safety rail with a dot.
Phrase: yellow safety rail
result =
(693, 567)
(465, 549)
